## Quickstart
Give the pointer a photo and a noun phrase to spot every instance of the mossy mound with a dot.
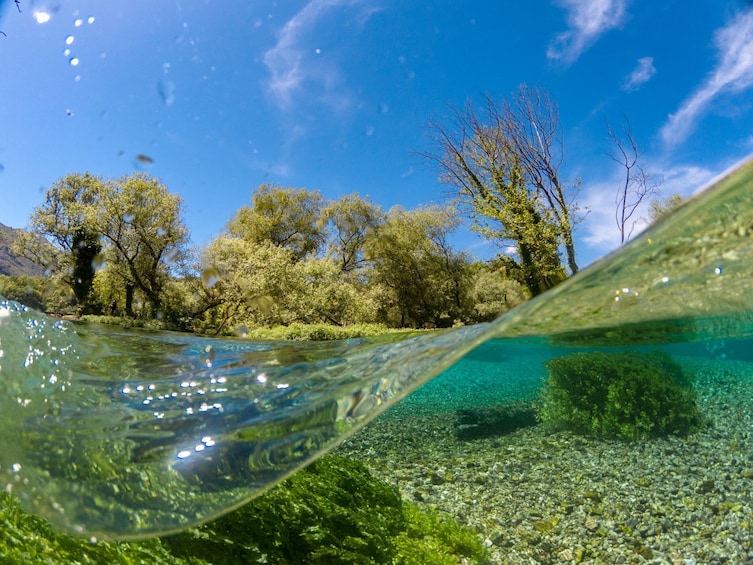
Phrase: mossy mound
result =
(625, 395)
(332, 512)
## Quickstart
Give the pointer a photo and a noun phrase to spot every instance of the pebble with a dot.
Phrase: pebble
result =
(559, 498)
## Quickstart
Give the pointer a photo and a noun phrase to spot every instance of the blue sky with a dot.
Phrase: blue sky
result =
(335, 95)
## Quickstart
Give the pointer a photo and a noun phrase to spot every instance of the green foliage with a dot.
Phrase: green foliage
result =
(492, 294)
(353, 220)
(332, 512)
(131, 227)
(27, 539)
(320, 332)
(431, 538)
(625, 395)
(285, 217)
(427, 281)
(46, 294)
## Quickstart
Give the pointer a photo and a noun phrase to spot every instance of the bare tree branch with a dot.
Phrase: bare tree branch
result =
(637, 185)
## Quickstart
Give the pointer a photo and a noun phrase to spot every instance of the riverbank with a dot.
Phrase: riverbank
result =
(559, 498)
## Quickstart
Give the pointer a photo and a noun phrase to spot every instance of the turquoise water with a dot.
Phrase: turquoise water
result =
(124, 434)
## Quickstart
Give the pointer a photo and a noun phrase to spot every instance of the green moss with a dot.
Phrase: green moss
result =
(333, 512)
(626, 395)
(27, 539)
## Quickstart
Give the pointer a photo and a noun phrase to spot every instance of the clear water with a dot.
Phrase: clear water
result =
(121, 434)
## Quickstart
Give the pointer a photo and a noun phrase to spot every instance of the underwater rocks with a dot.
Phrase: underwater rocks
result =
(535, 497)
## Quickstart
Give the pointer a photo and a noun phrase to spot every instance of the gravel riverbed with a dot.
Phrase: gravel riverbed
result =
(536, 497)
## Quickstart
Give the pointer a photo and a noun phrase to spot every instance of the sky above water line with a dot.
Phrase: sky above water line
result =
(215, 98)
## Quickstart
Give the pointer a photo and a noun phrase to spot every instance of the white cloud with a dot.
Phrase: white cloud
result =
(733, 73)
(587, 20)
(599, 229)
(640, 75)
(291, 64)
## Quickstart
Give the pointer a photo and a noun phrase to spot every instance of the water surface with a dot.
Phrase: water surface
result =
(124, 434)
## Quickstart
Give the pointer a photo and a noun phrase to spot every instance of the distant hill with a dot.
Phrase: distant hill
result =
(10, 263)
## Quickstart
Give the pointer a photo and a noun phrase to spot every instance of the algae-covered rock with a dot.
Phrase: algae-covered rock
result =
(624, 395)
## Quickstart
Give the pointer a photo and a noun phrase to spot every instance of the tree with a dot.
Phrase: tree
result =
(65, 220)
(412, 258)
(286, 217)
(637, 185)
(662, 207)
(131, 227)
(352, 219)
(480, 153)
(141, 227)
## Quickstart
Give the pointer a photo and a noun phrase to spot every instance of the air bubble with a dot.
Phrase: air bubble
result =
(69, 40)
(78, 22)
(90, 20)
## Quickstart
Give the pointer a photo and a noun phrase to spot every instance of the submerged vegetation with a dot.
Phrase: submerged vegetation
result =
(332, 512)
(624, 395)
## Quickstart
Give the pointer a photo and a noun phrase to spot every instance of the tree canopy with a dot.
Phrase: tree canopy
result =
(503, 164)
(127, 230)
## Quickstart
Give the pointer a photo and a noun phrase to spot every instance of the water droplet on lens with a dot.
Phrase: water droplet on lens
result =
(98, 263)
(172, 255)
(210, 277)
(90, 20)
(74, 61)
(78, 22)
(67, 52)
(42, 17)
(69, 40)
(166, 89)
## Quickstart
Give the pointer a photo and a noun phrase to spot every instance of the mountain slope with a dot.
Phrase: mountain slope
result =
(10, 263)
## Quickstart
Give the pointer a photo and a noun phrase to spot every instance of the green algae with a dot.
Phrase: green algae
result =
(624, 395)
(332, 512)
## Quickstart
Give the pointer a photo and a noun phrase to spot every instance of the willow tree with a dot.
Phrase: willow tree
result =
(140, 224)
(481, 151)
(285, 217)
(130, 226)
(65, 220)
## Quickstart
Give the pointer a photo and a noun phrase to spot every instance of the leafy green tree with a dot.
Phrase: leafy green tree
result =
(510, 151)
(412, 258)
(143, 233)
(352, 219)
(492, 294)
(65, 220)
(131, 227)
(286, 217)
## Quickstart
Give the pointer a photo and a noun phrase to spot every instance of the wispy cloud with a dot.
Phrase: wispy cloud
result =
(640, 75)
(599, 229)
(291, 64)
(733, 73)
(587, 20)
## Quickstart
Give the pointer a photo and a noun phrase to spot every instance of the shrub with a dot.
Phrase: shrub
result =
(625, 395)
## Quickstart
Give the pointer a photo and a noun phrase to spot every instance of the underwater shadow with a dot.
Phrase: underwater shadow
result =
(493, 421)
